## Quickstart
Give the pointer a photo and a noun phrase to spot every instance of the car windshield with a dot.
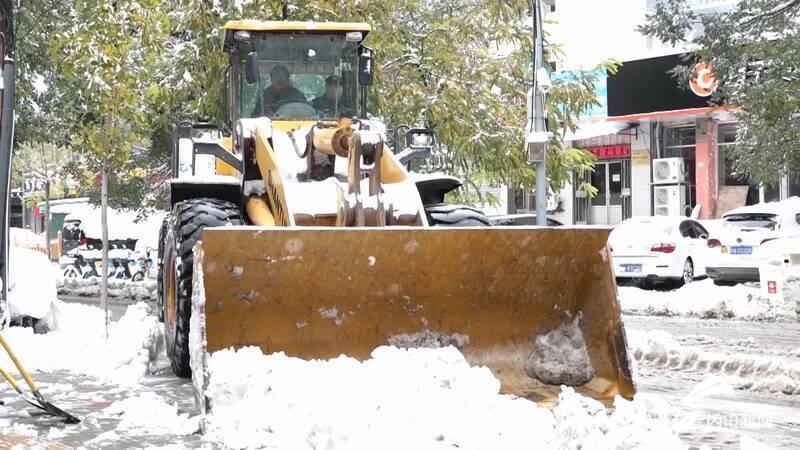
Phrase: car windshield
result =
(302, 76)
(752, 220)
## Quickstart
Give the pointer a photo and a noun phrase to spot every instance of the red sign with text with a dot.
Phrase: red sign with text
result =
(611, 151)
(772, 287)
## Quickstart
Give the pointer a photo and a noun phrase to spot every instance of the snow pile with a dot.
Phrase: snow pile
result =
(560, 357)
(791, 291)
(24, 238)
(149, 414)
(32, 286)
(79, 345)
(405, 398)
(705, 300)
(117, 288)
(659, 349)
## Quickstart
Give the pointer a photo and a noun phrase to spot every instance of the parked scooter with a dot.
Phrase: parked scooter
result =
(118, 257)
(141, 264)
(86, 261)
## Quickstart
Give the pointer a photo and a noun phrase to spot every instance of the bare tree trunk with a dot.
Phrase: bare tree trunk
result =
(46, 204)
(47, 217)
(104, 226)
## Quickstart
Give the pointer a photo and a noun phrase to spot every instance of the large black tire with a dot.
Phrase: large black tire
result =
(162, 234)
(187, 222)
(449, 215)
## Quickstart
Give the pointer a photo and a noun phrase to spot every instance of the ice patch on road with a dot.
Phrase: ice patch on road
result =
(101, 438)
(704, 300)
(560, 357)
(149, 414)
(406, 398)
(659, 349)
(80, 346)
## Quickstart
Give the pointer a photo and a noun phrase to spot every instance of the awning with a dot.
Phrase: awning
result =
(597, 129)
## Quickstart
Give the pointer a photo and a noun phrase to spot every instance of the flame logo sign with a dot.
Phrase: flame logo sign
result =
(703, 82)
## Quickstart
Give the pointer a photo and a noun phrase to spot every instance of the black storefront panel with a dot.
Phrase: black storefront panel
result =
(646, 86)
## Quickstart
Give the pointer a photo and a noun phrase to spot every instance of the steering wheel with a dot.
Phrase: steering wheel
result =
(295, 108)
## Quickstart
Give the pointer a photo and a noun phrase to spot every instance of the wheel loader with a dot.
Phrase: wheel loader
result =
(301, 231)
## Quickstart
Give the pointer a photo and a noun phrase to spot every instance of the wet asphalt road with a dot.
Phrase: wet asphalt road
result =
(724, 421)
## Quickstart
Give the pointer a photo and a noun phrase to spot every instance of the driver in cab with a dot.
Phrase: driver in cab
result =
(280, 91)
(329, 101)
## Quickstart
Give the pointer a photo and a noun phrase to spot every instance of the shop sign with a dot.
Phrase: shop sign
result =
(640, 157)
(647, 86)
(703, 82)
(611, 151)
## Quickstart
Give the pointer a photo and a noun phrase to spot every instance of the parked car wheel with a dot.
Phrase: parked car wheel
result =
(688, 272)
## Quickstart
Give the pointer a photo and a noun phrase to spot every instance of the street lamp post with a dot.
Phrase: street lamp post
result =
(537, 135)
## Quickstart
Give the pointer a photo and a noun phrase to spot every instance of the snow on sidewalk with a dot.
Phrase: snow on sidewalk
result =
(407, 398)
(705, 300)
(659, 349)
(117, 288)
(79, 345)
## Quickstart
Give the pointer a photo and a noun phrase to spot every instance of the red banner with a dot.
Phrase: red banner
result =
(611, 151)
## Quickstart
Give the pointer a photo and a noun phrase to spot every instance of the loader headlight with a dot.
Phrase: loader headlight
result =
(420, 138)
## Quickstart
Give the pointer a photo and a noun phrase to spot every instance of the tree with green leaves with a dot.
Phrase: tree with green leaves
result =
(755, 54)
(456, 66)
(107, 55)
(41, 110)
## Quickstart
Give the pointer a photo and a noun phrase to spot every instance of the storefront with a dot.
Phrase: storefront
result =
(680, 132)
(611, 178)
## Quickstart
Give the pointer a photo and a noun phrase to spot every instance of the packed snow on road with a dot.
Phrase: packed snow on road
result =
(703, 299)
(400, 398)
(413, 397)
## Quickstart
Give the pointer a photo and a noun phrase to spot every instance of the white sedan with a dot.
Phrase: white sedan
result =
(659, 248)
(745, 240)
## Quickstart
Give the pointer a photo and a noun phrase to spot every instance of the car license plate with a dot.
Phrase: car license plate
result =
(742, 250)
(631, 268)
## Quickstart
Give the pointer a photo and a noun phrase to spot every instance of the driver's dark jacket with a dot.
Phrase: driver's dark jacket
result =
(324, 104)
(272, 99)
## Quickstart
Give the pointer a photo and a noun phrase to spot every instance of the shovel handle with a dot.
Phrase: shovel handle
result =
(21, 369)
(10, 379)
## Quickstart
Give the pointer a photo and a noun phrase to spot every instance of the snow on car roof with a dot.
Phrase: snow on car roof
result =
(655, 219)
(789, 206)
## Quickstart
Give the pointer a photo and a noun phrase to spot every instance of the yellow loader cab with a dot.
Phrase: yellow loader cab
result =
(302, 231)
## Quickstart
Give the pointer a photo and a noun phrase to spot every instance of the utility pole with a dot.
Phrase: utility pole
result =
(537, 135)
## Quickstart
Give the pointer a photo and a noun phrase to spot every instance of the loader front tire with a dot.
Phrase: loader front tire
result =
(162, 234)
(187, 221)
(450, 215)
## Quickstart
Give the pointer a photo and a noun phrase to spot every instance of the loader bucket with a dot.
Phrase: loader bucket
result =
(317, 293)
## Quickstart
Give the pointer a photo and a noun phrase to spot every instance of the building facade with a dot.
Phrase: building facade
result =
(660, 147)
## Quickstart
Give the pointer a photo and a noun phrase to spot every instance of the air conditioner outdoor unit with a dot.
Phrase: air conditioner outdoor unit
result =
(668, 170)
(669, 200)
